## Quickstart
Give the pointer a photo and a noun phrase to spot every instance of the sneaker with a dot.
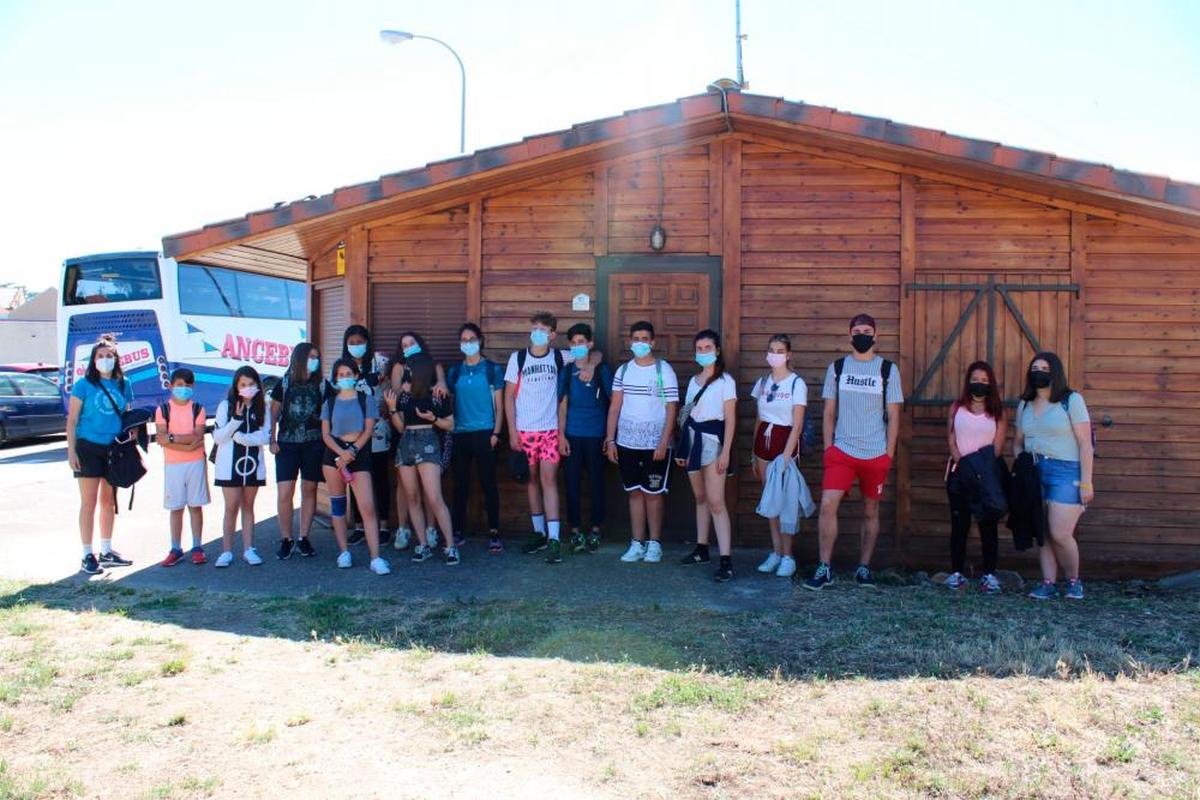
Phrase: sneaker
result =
(1074, 589)
(357, 536)
(380, 567)
(402, 539)
(724, 571)
(636, 552)
(699, 555)
(422, 552)
(956, 581)
(820, 579)
(385, 536)
(495, 545)
(305, 548)
(90, 565)
(173, 558)
(863, 577)
(554, 552)
(345, 560)
(989, 584)
(284, 550)
(224, 560)
(1044, 591)
(653, 552)
(578, 543)
(114, 559)
(787, 567)
(199, 558)
(452, 558)
(535, 543)
(771, 563)
(431, 536)
(593, 541)
(252, 557)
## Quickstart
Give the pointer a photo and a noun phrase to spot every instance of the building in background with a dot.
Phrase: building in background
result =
(27, 329)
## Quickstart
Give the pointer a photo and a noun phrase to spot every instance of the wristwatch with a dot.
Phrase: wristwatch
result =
(171, 438)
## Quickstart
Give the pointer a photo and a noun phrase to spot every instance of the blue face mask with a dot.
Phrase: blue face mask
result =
(539, 337)
(313, 364)
(357, 350)
(182, 393)
(640, 349)
(579, 351)
(346, 383)
(412, 350)
(469, 348)
(706, 359)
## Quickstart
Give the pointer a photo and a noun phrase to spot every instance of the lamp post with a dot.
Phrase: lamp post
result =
(399, 37)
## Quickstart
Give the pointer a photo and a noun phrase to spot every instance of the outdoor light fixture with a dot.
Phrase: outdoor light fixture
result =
(658, 234)
(658, 238)
(400, 37)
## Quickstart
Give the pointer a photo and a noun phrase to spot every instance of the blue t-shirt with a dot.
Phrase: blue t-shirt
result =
(99, 421)
(587, 403)
(472, 386)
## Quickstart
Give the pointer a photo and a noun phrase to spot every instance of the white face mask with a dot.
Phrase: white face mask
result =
(106, 364)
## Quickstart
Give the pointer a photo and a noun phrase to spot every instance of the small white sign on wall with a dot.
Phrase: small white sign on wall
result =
(581, 302)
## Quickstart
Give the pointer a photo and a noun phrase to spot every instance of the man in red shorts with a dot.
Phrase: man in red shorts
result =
(862, 396)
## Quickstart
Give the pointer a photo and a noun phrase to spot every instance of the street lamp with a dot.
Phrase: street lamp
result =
(399, 37)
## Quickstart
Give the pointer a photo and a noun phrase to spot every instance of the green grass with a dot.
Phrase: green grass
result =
(259, 737)
(690, 690)
(169, 669)
(26, 785)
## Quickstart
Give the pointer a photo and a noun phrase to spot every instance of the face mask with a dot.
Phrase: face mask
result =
(640, 349)
(346, 383)
(412, 350)
(106, 365)
(706, 359)
(579, 351)
(539, 337)
(978, 389)
(357, 350)
(313, 364)
(182, 392)
(1039, 379)
(776, 359)
(862, 342)
(469, 348)
(247, 392)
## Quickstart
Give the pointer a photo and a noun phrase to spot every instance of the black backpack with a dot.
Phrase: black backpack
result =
(885, 372)
(124, 466)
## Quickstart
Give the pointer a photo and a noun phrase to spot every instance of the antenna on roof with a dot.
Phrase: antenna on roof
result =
(737, 13)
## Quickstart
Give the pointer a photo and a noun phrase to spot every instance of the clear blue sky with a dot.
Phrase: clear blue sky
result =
(125, 121)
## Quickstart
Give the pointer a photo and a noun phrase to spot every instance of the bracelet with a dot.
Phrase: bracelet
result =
(1086, 486)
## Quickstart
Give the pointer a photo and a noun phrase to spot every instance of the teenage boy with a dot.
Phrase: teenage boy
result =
(641, 422)
(478, 388)
(179, 429)
(861, 425)
(582, 416)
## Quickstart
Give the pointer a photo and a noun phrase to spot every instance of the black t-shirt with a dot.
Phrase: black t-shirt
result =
(300, 411)
(408, 406)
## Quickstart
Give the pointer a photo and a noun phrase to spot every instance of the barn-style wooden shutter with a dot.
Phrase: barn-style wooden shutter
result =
(434, 310)
(331, 308)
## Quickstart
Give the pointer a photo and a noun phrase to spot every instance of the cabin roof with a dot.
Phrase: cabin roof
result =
(280, 240)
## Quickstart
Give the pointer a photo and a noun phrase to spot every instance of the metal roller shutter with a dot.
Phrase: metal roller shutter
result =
(331, 305)
(434, 310)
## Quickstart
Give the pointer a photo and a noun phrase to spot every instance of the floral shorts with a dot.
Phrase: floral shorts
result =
(540, 446)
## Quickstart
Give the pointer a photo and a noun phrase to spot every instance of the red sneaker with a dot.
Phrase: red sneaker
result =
(173, 558)
(198, 556)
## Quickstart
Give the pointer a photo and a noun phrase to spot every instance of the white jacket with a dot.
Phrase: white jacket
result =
(240, 455)
(785, 495)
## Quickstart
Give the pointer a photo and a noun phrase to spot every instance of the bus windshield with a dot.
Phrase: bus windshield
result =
(117, 280)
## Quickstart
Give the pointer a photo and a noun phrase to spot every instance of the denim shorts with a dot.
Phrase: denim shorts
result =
(418, 446)
(1060, 481)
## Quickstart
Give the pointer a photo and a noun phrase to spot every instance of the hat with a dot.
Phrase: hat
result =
(863, 319)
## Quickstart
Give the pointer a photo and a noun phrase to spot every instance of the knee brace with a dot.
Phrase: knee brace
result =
(337, 506)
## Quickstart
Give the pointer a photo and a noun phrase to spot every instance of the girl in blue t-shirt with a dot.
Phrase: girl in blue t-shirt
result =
(93, 421)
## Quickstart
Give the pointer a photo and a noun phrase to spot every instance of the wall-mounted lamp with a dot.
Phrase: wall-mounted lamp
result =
(658, 238)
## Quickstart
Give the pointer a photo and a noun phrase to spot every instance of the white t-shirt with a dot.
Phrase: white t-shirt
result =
(778, 410)
(644, 403)
(537, 402)
(712, 402)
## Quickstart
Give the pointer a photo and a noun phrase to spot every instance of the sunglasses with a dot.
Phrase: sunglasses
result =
(771, 396)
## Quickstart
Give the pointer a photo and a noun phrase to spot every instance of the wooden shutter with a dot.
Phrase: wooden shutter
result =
(331, 306)
(434, 310)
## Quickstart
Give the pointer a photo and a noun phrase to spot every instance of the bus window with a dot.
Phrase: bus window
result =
(262, 296)
(298, 297)
(207, 291)
(117, 280)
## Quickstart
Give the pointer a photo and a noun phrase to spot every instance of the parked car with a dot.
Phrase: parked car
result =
(29, 406)
(48, 371)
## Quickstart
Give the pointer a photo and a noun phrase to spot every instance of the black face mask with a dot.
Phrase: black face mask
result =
(862, 342)
(1040, 380)
(979, 390)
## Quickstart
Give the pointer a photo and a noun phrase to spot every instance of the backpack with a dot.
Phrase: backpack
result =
(1065, 402)
(662, 392)
(124, 466)
(809, 434)
(521, 356)
(165, 408)
(493, 369)
(362, 404)
(885, 372)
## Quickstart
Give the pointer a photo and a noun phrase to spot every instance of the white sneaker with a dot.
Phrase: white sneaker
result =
(956, 581)
(224, 560)
(636, 552)
(771, 564)
(653, 552)
(344, 561)
(787, 567)
(380, 567)
(431, 537)
(252, 557)
(402, 539)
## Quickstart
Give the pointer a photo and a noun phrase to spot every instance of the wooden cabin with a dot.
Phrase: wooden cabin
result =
(786, 217)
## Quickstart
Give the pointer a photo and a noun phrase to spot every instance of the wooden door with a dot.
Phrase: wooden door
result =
(331, 316)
